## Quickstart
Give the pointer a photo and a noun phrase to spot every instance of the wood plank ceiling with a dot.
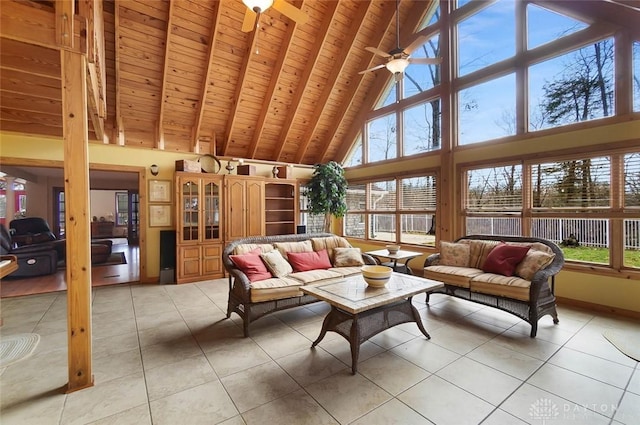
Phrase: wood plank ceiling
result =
(182, 76)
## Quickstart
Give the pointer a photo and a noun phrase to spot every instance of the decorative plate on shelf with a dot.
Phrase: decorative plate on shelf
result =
(209, 164)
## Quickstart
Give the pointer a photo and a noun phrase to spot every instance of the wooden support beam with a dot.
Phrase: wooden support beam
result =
(159, 140)
(31, 25)
(285, 47)
(120, 139)
(243, 80)
(381, 80)
(314, 57)
(205, 80)
(77, 218)
(333, 78)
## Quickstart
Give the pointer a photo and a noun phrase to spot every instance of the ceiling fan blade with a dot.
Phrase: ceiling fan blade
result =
(372, 69)
(290, 11)
(249, 20)
(419, 41)
(377, 51)
(426, 61)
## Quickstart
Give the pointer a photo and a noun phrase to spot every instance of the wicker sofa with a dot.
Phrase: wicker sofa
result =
(525, 294)
(252, 300)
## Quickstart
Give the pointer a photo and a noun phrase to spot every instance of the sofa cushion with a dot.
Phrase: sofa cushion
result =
(454, 254)
(315, 276)
(245, 248)
(504, 258)
(286, 247)
(479, 250)
(275, 262)
(251, 265)
(347, 271)
(347, 257)
(275, 288)
(502, 286)
(304, 261)
(534, 246)
(532, 263)
(456, 276)
(329, 243)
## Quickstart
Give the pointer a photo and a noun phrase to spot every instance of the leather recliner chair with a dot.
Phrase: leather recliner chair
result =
(33, 260)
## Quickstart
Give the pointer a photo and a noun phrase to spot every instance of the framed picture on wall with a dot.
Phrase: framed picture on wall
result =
(159, 215)
(159, 191)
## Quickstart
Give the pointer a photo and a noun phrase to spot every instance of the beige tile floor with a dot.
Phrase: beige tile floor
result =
(166, 355)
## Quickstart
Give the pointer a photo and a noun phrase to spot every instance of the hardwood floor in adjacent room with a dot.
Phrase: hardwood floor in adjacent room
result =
(100, 276)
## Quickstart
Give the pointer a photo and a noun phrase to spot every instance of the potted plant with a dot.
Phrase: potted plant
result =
(326, 192)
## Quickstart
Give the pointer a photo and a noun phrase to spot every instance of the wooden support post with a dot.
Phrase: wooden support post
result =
(76, 188)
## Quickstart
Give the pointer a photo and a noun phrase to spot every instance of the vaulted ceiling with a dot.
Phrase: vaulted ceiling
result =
(181, 75)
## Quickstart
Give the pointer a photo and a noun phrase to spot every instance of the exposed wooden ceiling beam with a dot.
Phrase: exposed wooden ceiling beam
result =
(206, 80)
(119, 124)
(314, 57)
(387, 21)
(285, 48)
(159, 140)
(411, 22)
(32, 25)
(243, 80)
(333, 78)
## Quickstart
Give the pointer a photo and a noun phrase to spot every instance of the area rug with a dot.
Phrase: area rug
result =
(18, 347)
(628, 342)
(114, 259)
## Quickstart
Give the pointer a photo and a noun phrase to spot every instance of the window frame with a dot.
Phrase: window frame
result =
(615, 214)
(398, 212)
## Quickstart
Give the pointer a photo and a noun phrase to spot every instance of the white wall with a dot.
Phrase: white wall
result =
(103, 204)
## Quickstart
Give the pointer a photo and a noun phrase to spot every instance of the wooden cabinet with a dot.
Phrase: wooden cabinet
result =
(244, 207)
(101, 229)
(199, 212)
(280, 207)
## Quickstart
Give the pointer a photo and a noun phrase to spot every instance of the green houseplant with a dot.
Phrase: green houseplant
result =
(327, 191)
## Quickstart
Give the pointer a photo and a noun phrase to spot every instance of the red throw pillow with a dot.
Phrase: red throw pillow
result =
(251, 264)
(304, 261)
(504, 258)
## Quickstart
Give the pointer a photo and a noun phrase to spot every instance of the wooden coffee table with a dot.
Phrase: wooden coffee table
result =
(359, 311)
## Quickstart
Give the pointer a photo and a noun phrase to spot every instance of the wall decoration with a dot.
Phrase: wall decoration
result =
(159, 215)
(159, 191)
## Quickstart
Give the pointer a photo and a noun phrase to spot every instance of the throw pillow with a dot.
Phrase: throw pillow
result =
(277, 265)
(286, 247)
(504, 258)
(454, 254)
(480, 249)
(304, 261)
(329, 243)
(532, 263)
(347, 257)
(251, 264)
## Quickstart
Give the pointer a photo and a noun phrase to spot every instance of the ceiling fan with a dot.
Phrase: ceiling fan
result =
(399, 58)
(256, 7)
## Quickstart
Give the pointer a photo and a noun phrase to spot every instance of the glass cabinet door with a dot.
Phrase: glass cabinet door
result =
(189, 205)
(211, 211)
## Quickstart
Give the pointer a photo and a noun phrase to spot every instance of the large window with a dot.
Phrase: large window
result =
(516, 68)
(486, 37)
(400, 210)
(571, 201)
(487, 110)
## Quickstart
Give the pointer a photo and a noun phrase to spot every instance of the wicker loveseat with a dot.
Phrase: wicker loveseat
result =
(525, 293)
(280, 290)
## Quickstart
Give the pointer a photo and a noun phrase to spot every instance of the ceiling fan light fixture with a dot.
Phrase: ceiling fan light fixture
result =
(258, 6)
(397, 65)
